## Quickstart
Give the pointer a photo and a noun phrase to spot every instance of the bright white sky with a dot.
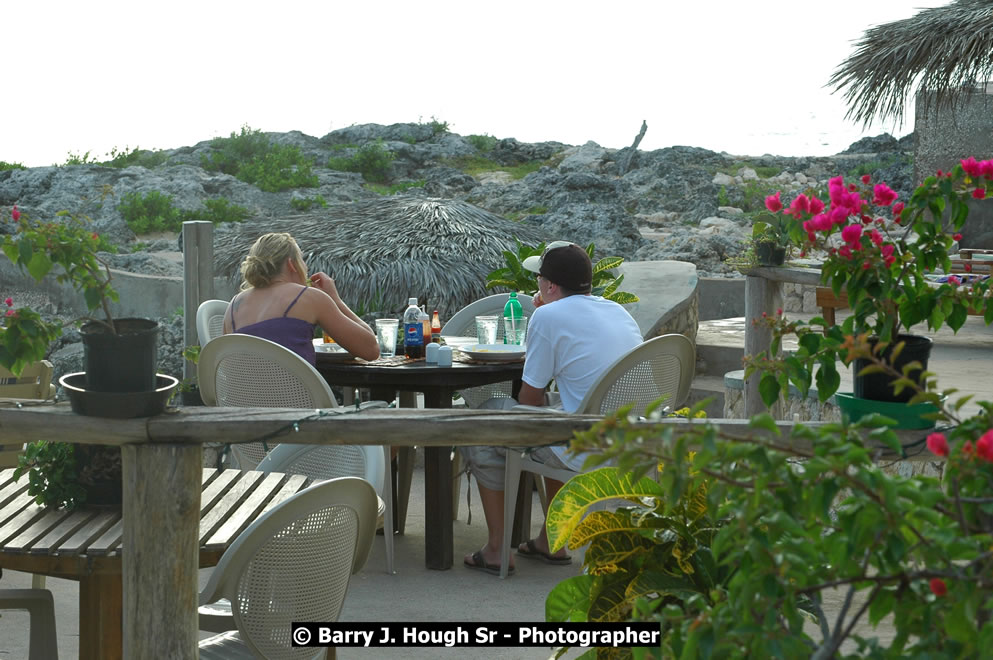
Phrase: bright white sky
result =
(744, 77)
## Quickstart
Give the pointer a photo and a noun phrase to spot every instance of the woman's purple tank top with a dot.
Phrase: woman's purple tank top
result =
(295, 334)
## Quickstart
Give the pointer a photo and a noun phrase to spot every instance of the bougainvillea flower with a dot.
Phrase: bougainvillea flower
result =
(866, 265)
(15, 214)
(883, 195)
(889, 261)
(938, 587)
(952, 279)
(957, 237)
(984, 446)
(986, 167)
(968, 269)
(876, 237)
(821, 222)
(799, 205)
(9, 302)
(851, 233)
(816, 206)
(845, 252)
(866, 178)
(937, 443)
(10, 312)
(773, 204)
(887, 249)
(979, 193)
(897, 209)
(971, 167)
(839, 215)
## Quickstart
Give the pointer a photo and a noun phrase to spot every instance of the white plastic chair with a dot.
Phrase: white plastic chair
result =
(292, 564)
(210, 320)
(41, 608)
(463, 324)
(247, 371)
(660, 367)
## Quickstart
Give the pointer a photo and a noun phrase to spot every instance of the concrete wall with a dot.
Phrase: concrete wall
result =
(721, 298)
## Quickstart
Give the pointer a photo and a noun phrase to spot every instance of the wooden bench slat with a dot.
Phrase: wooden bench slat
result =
(110, 541)
(88, 533)
(293, 485)
(213, 519)
(49, 544)
(246, 511)
(215, 490)
(37, 530)
(28, 513)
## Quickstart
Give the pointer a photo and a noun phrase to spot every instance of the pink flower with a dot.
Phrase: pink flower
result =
(10, 312)
(821, 222)
(889, 261)
(938, 587)
(937, 443)
(866, 265)
(9, 302)
(851, 233)
(979, 193)
(883, 195)
(887, 249)
(15, 214)
(876, 237)
(779, 311)
(984, 446)
(773, 204)
(957, 237)
(845, 252)
(816, 205)
(866, 178)
(897, 209)
(952, 279)
(971, 167)
(968, 269)
(986, 167)
(839, 214)
(800, 205)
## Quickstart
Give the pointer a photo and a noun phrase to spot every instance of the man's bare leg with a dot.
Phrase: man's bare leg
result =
(492, 502)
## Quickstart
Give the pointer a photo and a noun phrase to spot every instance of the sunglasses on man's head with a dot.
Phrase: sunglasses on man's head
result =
(555, 245)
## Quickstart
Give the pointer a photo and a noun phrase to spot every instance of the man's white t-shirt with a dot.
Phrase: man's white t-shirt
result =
(573, 340)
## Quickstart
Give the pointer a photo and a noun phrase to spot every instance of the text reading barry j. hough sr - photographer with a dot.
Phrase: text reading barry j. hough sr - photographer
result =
(451, 634)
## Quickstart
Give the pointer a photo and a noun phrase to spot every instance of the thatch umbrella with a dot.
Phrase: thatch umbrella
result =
(944, 51)
(384, 251)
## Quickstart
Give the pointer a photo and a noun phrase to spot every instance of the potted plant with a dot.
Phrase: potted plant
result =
(774, 233)
(119, 355)
(879, 253)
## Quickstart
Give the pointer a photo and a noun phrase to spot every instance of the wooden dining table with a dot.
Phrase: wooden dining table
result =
(384, 378)
(86, 544)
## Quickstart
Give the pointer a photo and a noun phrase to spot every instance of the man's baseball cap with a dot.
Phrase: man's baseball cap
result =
(565, 264)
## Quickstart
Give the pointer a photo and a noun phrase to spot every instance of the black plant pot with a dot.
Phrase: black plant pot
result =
(99, 472)
(191, 397)
(878, 386)
(770, 254)
(122, 362)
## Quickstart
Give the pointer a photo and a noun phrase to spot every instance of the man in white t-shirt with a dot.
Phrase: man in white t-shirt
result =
(573, 337)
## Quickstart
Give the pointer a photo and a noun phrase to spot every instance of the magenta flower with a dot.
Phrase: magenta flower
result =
(851, 233)
(952, 279)
(957, 237)
(876, 237)
(845, 252)
(937, 443)
(10, 312)
(979, 193)
(897, 209)
(15, 214)
(972, 167)
(866, 179)
(887, 250)
(986, 167)
(984, 446)
(773, 204)
(938, 587)
(9, 302)
(883, 195)
(816, 206)
(800, 205)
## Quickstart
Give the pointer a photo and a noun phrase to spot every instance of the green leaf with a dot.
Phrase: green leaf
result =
(569, 600)
(39, 265)
(764, 421)
(769, 389)
(607, 263)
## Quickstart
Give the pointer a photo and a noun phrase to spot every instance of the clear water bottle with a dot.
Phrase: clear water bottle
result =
(512, 312)
(413, 331)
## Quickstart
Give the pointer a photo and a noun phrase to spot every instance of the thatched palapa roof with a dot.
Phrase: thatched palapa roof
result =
(384, 251)
(945, 51)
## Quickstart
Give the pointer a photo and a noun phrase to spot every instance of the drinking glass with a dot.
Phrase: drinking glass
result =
(515, 330)
(486, 329)
(386, 334)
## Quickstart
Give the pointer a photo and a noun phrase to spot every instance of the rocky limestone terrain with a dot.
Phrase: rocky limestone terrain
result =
(678, 203)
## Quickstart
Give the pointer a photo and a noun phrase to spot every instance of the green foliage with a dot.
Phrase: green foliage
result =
(4, 165)
(26, 337)
(76, 159)
(483, 143)
(154, 212)
(876, 165)
(392, 189)
(306, 203)
(770, 527)
(372, 160)
(140, 157)
(777, 228)
(438, 127)
(52, 477)
(517, 278)
(250, 157)
(475, 165)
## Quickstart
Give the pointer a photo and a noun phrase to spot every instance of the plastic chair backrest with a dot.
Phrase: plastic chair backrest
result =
(463, 323)
(321, 462)
(294, 563)
(663, 366)
(246, 371)
(35, 382)
(210, 320)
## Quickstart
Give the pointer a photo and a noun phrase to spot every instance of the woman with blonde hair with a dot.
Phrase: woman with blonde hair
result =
(280, 303)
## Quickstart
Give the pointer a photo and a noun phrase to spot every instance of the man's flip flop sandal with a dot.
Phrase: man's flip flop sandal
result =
(531, 551)
(479, 563)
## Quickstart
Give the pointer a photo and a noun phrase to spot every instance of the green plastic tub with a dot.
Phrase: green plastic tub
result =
(906, 416)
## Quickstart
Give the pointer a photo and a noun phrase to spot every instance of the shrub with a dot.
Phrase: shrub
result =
(396, 187)
(140, 157)
(250, 157)
(219, 210)
(4, 165)
(305, 203)
(154, 211)
(483, 143)
(372, 160)
(76, 159)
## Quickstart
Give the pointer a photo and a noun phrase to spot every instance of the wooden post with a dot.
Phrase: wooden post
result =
(161, 537)
(198, 280)
(761, 295)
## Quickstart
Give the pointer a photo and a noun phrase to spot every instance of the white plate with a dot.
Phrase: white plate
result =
(331, 351)
(460, 342)
(494, 352)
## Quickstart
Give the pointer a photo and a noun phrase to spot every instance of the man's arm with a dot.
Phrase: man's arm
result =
(531, 396)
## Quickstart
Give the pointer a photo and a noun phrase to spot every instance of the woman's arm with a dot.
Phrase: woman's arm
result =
(334, 316)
